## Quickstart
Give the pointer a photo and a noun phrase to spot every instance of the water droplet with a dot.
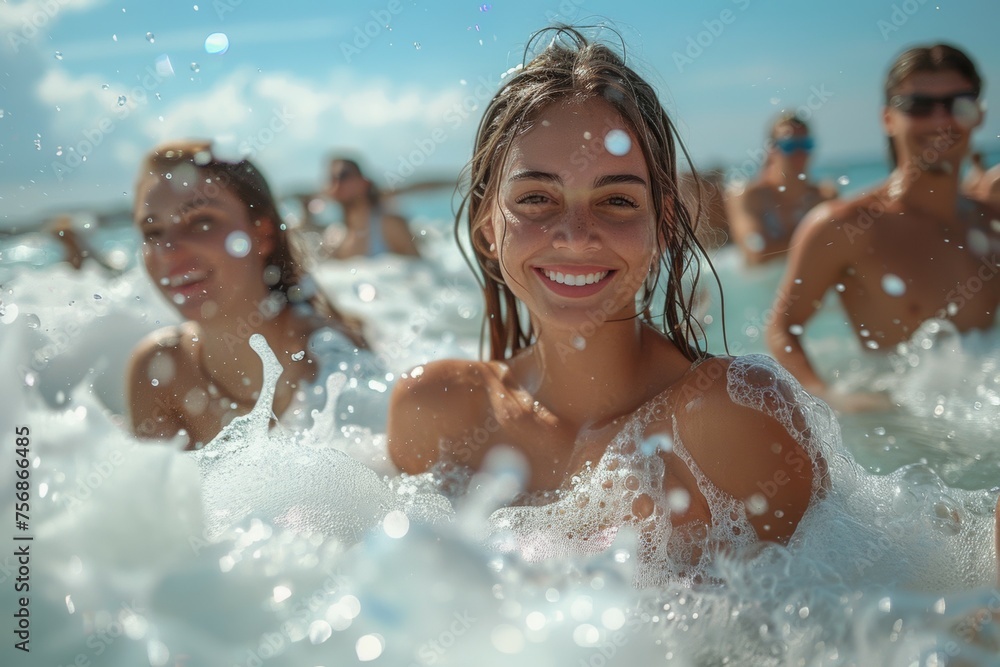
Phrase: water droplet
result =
(416, 45)
(154, 382)
(871, 345)
(196, 7)
(168, 176)
(579, 342)
(617, 142)
(59, 55)
(150, 37)
(893, 285)
(366, 292)
(217, 43)
(32, 320)
(796, 329)
(843, 180)
(485, 8)
(238, 244)
(781, 188)
(98, 297)
(122, 100)
(840, 287)
(1, 113)
(114, 38)
(299, 356)
(802, 177)
(195, 68)
(8, 312)
(396, 524)
(104, 86)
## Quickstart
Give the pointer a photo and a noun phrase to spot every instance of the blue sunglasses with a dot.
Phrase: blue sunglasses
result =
(789, 145)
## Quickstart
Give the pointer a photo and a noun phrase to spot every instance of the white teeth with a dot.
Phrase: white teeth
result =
(575, 279)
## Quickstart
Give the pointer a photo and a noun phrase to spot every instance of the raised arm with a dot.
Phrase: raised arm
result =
(742, 212)
(817, 258)
(398, 236)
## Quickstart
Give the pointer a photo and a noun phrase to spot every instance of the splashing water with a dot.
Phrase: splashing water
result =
(300, 545)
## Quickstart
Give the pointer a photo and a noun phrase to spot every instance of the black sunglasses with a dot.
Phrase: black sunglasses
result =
(921, 106)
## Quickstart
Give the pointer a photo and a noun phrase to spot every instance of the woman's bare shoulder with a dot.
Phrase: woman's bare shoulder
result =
(155, 364)
(743, 421)
(438, 401)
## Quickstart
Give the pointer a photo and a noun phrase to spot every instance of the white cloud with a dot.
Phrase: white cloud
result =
(26, 17)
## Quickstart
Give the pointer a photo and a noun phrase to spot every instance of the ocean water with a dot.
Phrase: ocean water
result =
(305, 548)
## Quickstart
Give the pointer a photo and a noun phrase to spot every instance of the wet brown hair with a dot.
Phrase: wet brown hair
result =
(245, 180)
(934, 58)
(573, 68)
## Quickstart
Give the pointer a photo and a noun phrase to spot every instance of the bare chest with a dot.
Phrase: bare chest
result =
(902, 279)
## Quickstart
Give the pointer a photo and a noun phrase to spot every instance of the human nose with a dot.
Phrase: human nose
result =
(577, 229)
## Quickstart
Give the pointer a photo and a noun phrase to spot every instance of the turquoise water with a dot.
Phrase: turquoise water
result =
(305, 548)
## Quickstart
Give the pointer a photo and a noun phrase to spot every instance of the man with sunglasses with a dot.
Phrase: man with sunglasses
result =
(913, 247)
(764, 215)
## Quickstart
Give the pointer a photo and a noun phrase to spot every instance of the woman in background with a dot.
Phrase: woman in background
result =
(216, 248)
(368, 229)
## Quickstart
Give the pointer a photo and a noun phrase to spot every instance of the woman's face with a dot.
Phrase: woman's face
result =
(200, 246)
(345, 183)
(573, 224)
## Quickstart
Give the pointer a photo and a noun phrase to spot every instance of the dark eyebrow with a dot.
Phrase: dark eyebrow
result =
(614, 179)
(533, 175)
(611, 179)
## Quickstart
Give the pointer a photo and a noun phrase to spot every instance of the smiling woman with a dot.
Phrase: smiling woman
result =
(573, 213)
(215, 246)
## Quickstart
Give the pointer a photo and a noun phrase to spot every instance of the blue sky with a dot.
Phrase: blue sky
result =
(403, 82)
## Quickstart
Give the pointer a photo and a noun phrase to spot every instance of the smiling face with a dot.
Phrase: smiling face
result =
(200, 246)
(941, 135)
(573, 223)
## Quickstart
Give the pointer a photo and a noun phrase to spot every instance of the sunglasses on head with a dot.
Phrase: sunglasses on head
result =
(921, 106)
(789, 145)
